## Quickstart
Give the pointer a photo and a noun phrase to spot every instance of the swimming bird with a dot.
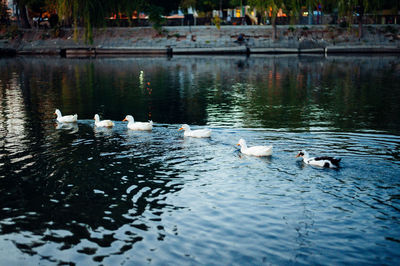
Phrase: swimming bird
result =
(103, 123)
(138, 125)
(66, 118)
(255, 150)
(323, 161)
(198, 133)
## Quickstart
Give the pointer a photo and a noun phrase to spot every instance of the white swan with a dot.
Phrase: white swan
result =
(254, 151)
(198, 133)
(324, 161)
(103, 123)
(138, 125)
(66, 118)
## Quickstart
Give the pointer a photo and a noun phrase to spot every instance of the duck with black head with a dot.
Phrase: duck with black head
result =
(323, 161)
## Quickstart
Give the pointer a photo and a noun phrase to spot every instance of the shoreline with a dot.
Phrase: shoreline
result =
(243, 50)
(205, 40)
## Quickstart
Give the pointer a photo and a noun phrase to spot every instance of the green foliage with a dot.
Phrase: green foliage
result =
(208, 5)
(349, 8)
(187, 3)
(293, 8)
(88, 32)
(89, 13)
(235, 3)
(217, 22)
(156, 18)
(93, 13)
(266, 6)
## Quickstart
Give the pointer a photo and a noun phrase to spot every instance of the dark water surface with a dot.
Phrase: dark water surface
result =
(84, 195)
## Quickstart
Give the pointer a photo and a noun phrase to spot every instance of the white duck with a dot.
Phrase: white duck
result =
(138, 125)
(66, 118)
(255, 150)
(324, 161)
(198, 133)
(103, 123)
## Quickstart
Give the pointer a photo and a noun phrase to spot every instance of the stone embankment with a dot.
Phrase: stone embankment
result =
(204, 40)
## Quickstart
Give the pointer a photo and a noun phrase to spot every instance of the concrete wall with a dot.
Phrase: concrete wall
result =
(255, 37)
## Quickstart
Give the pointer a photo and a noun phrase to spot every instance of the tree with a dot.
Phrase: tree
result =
(4, 16)
(348, 8)
(209, 5)
(22, 10)
(270, 6)
(188, 3)
(293, 7)
(89, 13)
(22, 15)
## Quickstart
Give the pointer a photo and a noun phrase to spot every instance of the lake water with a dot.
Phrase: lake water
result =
(82, 195)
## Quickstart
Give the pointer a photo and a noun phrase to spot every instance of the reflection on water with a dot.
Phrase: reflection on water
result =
(283, 92)
(74, 193)
(73, 127)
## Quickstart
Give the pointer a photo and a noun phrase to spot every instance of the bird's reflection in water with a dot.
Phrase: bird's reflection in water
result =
(73, 127)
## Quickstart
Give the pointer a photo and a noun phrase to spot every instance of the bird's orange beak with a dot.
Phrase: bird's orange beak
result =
(124, 119)
(238, 144)
(298, 155)
(180, 128)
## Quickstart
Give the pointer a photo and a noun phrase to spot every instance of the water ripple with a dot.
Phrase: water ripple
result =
(77, 194)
